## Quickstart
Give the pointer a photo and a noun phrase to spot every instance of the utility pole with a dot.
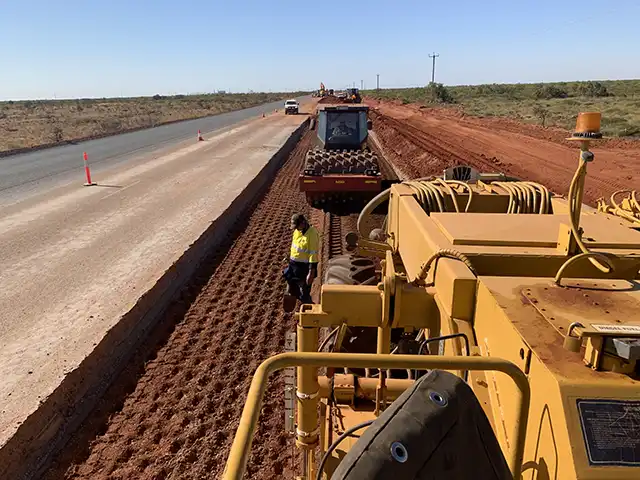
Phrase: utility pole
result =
(433, 68)
(377, 81)
(361, 84)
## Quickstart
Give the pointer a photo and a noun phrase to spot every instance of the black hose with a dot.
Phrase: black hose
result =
(447, 337)
(335, 444)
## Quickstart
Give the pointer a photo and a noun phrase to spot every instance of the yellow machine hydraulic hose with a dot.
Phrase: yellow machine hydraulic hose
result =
(576, 191)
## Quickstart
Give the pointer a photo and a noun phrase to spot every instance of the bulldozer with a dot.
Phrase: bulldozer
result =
(488, 329)
(340, 168)
(353, 96)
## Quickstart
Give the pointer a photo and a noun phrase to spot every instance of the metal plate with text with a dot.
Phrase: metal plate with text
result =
(611, 431)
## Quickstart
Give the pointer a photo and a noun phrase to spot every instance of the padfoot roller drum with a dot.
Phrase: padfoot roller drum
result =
(341, 169)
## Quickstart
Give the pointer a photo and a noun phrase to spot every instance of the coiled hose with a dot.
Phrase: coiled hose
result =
(526, 197)
(432, 199)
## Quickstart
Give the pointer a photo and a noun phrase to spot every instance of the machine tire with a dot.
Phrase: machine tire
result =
(353, 270)
(350, 270)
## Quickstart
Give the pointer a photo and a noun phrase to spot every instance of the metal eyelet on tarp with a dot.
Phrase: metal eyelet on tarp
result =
(399, 452)
(438, 399)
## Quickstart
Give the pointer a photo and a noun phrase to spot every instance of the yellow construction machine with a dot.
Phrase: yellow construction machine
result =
(628, 208)
(489, 330)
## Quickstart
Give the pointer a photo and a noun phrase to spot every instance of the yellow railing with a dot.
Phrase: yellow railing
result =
(239, 454)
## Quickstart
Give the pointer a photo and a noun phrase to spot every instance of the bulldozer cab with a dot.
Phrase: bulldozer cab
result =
(342, 127)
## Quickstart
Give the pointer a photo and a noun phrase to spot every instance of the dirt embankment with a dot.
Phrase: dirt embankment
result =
(330, 100)
(425, 141)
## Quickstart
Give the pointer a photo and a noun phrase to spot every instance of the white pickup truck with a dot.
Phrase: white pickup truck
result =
(291, 107)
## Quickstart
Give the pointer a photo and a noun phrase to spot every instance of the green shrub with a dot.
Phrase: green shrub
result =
(549, 91)
(57, 134)
(110, 125)
(541, 112)
(591, 89)
(439, 93)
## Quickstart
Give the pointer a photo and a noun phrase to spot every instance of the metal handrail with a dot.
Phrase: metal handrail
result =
(241, 446)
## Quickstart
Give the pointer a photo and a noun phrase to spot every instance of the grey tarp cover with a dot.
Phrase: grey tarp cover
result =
(441, 427)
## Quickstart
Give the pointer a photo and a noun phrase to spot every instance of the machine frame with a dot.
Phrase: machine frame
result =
(540, 288)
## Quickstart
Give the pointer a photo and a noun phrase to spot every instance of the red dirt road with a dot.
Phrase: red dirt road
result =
(424, 141)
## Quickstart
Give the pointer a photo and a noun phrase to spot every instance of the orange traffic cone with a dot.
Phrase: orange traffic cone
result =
(200, 139)
(86, 170)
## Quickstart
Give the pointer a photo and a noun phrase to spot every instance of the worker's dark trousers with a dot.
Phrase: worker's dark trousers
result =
(296, 276)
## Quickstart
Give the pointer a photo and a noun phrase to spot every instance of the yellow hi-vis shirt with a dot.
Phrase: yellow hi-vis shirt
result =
(305, 246)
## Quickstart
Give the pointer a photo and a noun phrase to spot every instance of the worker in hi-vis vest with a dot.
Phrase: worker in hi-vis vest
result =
(303, 262)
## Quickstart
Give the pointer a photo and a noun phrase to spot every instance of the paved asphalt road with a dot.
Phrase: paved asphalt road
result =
(28, 173)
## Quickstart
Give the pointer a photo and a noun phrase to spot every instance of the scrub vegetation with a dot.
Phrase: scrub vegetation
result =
(549, 104)
(33, 123)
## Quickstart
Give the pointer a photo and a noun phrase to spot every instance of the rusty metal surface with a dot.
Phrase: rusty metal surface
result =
(588, 302)
(543, 335)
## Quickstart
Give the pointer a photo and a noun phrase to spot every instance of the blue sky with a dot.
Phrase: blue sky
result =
(73, 48)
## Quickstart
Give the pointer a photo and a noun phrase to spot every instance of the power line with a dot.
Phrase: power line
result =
(433, 68)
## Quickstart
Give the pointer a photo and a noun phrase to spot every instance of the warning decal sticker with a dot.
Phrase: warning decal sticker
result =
(611, 431)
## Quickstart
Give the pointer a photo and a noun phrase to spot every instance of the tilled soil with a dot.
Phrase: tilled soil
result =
(423, 142)
(180, 418)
